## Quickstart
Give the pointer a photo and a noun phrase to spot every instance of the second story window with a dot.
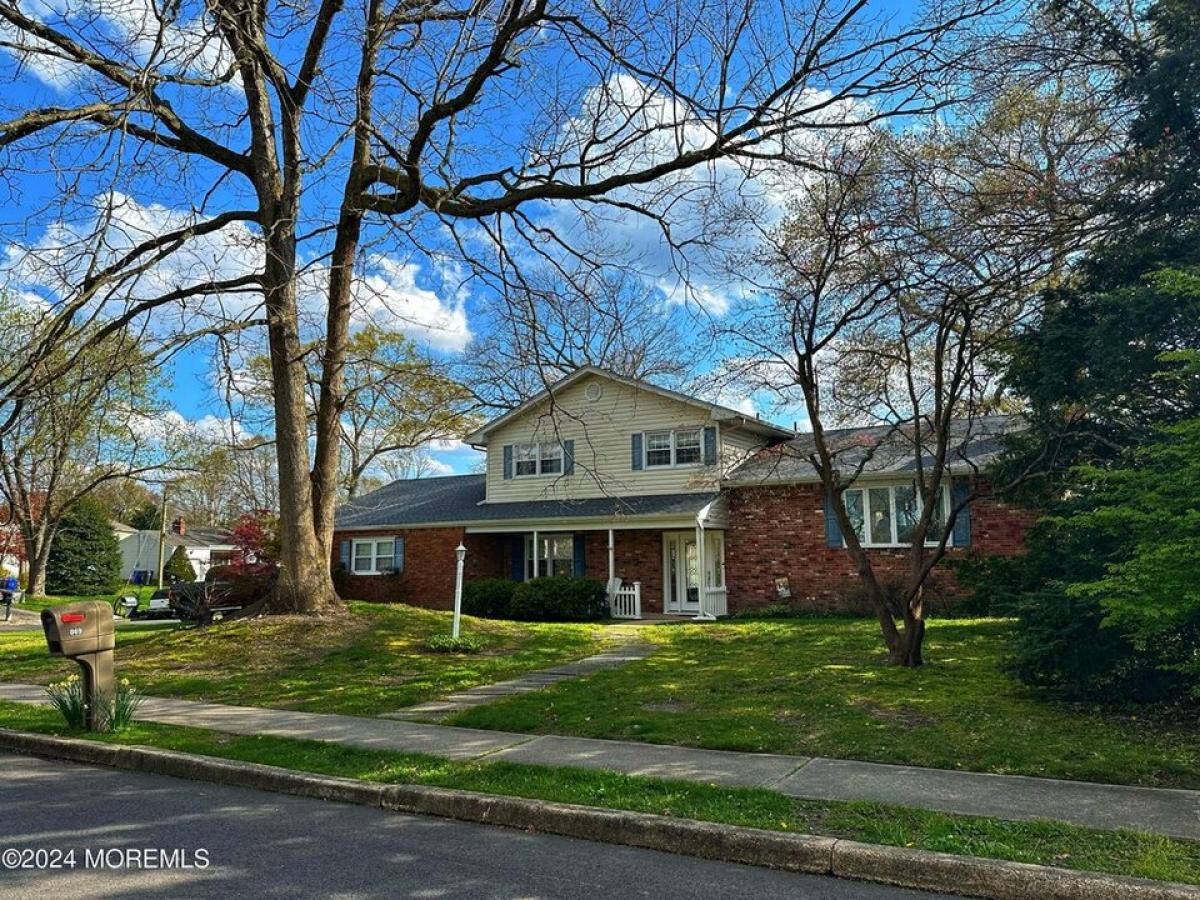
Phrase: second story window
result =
(537, 459)
(673, 448)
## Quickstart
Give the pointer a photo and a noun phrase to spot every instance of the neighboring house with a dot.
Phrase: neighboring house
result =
(205, 548)
(697, 508)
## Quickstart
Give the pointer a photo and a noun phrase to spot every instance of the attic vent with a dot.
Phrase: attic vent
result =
(593, 391)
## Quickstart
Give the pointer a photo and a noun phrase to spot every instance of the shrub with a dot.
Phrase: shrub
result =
(179, 567)
(447, 643)
(490, 598)
(84, 556)
(560, 599)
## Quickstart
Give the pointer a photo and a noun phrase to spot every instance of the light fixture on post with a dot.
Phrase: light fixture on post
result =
(460, 553)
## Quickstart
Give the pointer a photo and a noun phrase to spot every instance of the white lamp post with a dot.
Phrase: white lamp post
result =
(460, 553)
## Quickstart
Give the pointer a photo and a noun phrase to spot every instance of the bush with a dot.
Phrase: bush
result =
(84, 556)
(489, 598)
(560, 599)
(447, 643)
(179, 567)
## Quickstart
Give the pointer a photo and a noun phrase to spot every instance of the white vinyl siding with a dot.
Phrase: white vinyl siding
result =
(602, 432)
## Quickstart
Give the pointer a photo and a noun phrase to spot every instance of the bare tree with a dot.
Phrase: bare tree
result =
(894, 285)
(92, 427)
(303, 134)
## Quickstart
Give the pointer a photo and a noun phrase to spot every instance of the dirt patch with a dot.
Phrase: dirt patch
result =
(666, 706)
(904, 717)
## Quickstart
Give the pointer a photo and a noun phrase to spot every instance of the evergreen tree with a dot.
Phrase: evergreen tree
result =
(84, 558)
(179, 567)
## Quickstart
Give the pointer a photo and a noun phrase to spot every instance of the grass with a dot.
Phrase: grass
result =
(371, 661)
(37, 604)
(819, 687)
(1046, 843)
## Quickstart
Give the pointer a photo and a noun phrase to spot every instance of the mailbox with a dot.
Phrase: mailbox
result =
(84, 632)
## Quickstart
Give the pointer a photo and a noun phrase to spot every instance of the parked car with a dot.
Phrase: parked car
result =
(227, 592)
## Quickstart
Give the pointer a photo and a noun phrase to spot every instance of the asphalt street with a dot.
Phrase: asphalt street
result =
(136, 835)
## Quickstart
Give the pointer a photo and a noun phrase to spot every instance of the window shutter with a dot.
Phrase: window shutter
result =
(833, 531)
(508, 461)
(517, 551)
(579, 563)
(635, 452)
(345, 555)
(959, 489)
(710, 446)
(568, 457)
(398, 551)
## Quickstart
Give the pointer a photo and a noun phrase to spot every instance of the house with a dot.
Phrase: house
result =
(697, 509)
(205, 547)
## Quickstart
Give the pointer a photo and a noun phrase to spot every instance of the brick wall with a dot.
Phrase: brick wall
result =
(637, 556)
(780, 531)
(428, 576)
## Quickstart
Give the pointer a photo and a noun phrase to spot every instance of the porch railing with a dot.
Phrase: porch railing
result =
(625, 600)
(716, 602)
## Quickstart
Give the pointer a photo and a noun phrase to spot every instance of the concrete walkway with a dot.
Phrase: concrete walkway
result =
(439, 710)
(1170, 812)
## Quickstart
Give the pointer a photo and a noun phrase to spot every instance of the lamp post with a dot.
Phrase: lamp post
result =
(460, 552)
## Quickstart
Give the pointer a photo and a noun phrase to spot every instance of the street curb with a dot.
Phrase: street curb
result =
(898, 866)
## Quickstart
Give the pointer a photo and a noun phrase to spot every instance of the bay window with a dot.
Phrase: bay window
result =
(885, 516)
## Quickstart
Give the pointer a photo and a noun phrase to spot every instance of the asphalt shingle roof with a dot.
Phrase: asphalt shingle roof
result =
(459, 498)
(880, 450)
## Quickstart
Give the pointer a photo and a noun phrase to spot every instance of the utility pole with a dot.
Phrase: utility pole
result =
(162, 538)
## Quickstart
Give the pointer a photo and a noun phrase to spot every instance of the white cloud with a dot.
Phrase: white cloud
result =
(404, 296)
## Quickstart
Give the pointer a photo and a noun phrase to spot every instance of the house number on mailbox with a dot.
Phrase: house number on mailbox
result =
(75, 632)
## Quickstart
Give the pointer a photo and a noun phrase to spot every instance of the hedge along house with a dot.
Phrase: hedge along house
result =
(681, 506)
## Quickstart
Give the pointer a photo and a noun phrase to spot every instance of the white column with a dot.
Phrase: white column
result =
(535, 553)
(612, 566)
(702, 573)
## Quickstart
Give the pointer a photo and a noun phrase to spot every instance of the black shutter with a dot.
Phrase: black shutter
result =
(398, 553)
(568, 457)
(345, 555)
(508, 461)
(517, 553)
(635, 452)
(580, 562)
(710, 446)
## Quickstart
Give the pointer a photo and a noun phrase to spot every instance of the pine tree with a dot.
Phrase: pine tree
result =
(84, 557)
(179, 567)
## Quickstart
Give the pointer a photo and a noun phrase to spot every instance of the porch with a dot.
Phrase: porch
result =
(671, 571)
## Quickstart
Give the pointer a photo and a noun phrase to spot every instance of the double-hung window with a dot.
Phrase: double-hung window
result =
(537, 459)
(885, 516)
(555, 555)
(374, 557)
(673, 448)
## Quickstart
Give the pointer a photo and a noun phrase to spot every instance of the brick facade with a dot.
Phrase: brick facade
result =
(776, 530)
(428, 576)
(779, 530)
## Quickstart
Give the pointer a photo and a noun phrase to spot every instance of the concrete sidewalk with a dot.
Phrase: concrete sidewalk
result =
(1159, 810)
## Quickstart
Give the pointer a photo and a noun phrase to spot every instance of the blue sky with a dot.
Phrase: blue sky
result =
(412, 281)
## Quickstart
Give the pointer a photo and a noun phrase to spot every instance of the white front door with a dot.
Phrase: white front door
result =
(681, 572)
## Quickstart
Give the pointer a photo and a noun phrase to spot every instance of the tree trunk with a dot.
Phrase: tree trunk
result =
(305, 581)
(910, 651)
(37, 555)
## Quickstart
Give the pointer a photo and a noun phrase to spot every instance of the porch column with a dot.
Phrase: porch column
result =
(701, 572)
(612, 567)
(535, 553)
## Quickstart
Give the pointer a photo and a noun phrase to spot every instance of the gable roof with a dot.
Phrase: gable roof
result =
(881, 450)
(458, 500)
(716, 411)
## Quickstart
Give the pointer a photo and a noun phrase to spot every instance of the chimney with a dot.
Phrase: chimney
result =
(179, 526)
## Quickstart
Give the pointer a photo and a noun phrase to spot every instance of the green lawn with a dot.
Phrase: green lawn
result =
(37, 604)
(1046, 843)
(820, 687)
(371, 661)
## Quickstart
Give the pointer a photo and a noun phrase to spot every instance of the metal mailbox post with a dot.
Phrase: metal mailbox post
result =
(84, 632)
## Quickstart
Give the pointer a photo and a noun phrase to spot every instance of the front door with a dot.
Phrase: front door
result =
(681, 572)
